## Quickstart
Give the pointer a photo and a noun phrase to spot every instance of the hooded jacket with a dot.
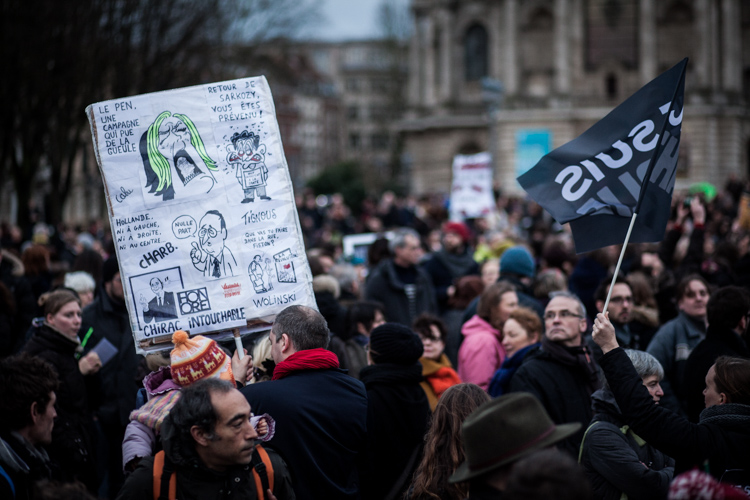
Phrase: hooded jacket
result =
(618, 462)
(481, 352)
(384, 286)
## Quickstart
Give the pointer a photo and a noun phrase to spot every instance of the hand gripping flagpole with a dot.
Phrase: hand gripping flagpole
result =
(646, 181)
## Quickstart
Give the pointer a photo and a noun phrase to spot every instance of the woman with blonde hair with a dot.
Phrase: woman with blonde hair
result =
(443, 448)
(56, 341)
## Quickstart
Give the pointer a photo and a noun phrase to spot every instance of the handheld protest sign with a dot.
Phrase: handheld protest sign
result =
(202, 210)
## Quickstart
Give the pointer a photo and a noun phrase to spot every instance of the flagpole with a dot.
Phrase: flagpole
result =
(619, 262)
(646, 181)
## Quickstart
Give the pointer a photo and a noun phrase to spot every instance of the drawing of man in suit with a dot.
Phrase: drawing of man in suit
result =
(161, 307)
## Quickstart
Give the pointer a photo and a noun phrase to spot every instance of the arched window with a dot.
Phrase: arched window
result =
(475, 52)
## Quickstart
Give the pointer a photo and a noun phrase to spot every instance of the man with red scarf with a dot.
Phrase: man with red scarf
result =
(320, 411)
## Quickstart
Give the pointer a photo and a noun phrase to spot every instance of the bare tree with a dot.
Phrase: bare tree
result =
(63, 56)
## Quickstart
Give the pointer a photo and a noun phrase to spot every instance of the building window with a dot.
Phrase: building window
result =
(352, 113)
(380, 85)
(354, 141)
(379, 141)
(475, 52)
(352, 84)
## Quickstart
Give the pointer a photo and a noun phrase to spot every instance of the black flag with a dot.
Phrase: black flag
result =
(595, 182)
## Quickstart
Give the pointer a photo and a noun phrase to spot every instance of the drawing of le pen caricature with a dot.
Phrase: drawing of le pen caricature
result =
(210, 255)
(175, 159)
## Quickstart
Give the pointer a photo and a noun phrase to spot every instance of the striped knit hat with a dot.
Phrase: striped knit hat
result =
(198, 358)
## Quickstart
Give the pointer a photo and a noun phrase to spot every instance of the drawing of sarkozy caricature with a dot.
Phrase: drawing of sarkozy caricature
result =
(248, 157)
(175, 159)
(213, 258)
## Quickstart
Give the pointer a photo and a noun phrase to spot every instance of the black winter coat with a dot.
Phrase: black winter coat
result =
(119, 380)
(562, 391)
(618, 462)
(73, 445)
(445, 268)
(702, 357)
(198, 482)
(321, 428)
(722, 437)
(397, 418)
(384, 286)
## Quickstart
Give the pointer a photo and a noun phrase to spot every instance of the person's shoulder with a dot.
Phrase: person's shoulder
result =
(139, 484)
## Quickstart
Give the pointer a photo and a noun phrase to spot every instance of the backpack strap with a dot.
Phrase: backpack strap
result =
(580, 450)
(262, 471)
(165, 478)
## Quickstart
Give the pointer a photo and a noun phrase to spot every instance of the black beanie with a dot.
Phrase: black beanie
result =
(110, 269)
(395, 343)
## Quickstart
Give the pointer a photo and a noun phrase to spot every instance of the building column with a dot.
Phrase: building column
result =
(415, 68)
(428, 38)
(562, 48)
(647, 41)
(446, 52)
(511, 48)
(731, 62)
(576, 40)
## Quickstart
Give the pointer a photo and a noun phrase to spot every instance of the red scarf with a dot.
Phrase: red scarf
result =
(309, 359)
(442, 379)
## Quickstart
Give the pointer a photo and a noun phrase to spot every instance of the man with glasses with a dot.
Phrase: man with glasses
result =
(630, 333)
(562, 373)
(399, 283)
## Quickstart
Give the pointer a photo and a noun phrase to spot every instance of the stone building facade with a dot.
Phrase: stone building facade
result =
(563, 65)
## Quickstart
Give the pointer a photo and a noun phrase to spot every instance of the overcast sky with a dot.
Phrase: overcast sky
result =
(349, 19)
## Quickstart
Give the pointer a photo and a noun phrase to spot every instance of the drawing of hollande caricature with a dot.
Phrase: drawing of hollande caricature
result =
(248, 156)
(172, 145)
(213, 258)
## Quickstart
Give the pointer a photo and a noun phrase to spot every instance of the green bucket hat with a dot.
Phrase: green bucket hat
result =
(504, 430)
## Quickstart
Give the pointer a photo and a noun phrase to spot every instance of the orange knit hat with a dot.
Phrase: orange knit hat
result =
(198, 358)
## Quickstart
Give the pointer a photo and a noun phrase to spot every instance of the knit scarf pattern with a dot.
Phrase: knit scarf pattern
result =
(153, 413)
(575, 357)
(730, 413)
(309, 359)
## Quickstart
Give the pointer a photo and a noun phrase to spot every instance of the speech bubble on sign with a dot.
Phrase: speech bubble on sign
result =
(184, 226)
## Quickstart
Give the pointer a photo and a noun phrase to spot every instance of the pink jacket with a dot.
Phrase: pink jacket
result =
(481, 352)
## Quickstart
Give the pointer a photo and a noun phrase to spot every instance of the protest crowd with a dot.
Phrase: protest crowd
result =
(454, 360)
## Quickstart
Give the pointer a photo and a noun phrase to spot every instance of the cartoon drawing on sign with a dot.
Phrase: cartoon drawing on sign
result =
(172, 145)
(285, 266)
(258, 276)
(248, 157)
(162, 307)
(213, 258)
(269, 273)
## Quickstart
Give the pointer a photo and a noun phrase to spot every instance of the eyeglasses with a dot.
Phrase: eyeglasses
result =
(621, 300)
(564, 314)
(210, 230)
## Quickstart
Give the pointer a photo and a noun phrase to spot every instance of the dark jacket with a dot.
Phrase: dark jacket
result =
(671, 346)
(618, 462)
(702, 357)
(24, 464)
(563, 391)
(120, 384)
(196, 481)
(11, 275)
(384, 286)
(444, 268)
(722, 437)
(73, 444)
(500, 383)
(321, 427)
(397, 418)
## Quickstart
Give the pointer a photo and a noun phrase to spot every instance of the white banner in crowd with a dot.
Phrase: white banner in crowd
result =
(201, 208)
(471, 193)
